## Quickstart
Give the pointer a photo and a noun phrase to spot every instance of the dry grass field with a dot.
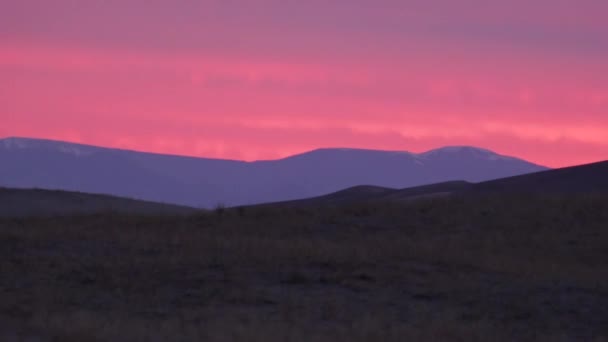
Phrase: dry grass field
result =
(478, 268)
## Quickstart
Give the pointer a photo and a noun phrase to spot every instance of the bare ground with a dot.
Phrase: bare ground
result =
(455, 269)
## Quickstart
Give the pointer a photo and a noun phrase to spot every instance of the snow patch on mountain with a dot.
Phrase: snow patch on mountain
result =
(16, 143)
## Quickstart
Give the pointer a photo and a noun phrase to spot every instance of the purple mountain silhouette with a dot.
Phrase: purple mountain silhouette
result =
(203, 182)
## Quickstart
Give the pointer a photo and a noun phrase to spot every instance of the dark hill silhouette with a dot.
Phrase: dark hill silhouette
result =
(38, 203)
(588, 178)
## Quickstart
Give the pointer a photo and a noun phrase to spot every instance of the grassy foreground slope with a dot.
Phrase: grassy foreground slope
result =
(38, 202)
(482, 268)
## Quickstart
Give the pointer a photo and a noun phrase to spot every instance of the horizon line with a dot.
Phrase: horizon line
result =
(337, 148)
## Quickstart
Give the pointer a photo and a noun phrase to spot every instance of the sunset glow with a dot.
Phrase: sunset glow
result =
(265, 79)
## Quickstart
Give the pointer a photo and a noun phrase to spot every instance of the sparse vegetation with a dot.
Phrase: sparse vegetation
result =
(499, 268)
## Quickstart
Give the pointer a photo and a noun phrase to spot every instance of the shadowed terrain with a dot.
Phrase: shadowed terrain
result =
(479, 268)
(38, 202)
(589, 178)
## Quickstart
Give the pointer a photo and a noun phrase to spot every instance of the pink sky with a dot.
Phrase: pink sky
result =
(265, 79)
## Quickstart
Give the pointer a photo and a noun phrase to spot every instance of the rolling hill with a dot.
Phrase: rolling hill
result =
(39, 203)
(204, 182)
(588, 178)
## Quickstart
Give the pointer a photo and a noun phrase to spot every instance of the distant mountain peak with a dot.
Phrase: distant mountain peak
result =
(458, 149)
(354, 150)
(446, 151)
(343, 152)
(14, 142)
(481, 153)
(19, 143)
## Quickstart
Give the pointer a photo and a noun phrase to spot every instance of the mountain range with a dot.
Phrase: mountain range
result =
(205, 182)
